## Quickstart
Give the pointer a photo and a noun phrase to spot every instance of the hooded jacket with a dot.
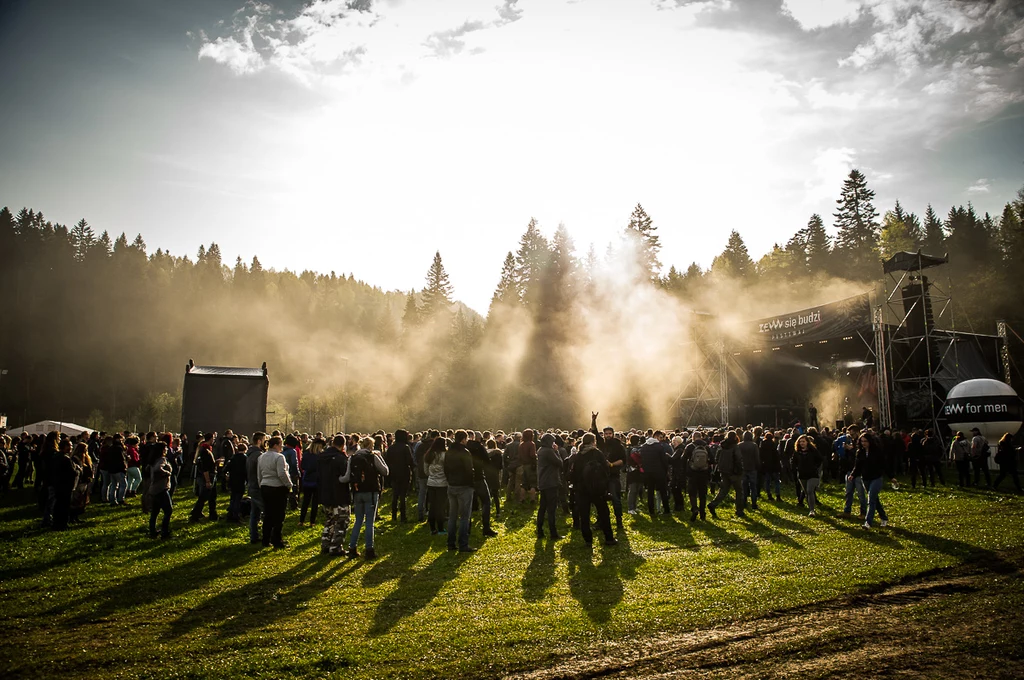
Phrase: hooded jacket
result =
(458, 465)
(527, 449)
(400, 462)
(654, 460)
(333, 464)
(549, 464)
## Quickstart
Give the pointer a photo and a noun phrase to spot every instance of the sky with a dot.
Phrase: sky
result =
(360, 136)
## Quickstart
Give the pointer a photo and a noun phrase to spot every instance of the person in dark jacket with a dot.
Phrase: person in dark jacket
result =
(458, 470)
(493, 474)
(590, 471)
(310, 484)
(335, 497)
(932, 457)
(206, 480)
(677, 483)
(730, 466)
(159, 489)
(400, 463)
(62, 477)
(871, 466)
(807, 462)
(771, 466)
(238, 479)
(1006, 459)
(915, 456)
(698, 474)
(751, 455)
(422, 488)
(549, 465)
(655, 463)
(615, 452)
(481, 492)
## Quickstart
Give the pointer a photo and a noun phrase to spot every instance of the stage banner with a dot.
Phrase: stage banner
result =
(825, 322)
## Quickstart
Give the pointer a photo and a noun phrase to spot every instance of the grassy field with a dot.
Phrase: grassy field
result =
(103, 600)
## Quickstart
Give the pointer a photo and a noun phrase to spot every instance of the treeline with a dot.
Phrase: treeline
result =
(99, 329)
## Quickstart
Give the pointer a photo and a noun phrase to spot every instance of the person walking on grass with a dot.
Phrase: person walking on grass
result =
(366, 472)
(590, 470)
(335, 497)
(275, 487)
(549, 465)
(750, 451)
(1006, 459)
(854, 483)
(730, 466)
(807, 463)
(159, 490)
(872, 466)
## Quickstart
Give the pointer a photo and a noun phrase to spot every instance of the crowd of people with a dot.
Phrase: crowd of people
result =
(449, 475)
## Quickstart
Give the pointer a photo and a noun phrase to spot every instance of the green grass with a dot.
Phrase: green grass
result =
(103, 600)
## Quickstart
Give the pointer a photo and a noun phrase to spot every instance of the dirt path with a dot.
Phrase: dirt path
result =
(963, 622)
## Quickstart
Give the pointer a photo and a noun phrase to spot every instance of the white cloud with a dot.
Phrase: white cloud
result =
(817, 13)
(981, 186)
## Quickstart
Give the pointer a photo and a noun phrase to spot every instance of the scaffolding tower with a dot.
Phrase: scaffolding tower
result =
(703, 397)
(915, 348)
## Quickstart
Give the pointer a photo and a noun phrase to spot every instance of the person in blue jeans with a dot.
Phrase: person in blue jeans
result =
(366, 472)
(458, 469)
(872, 466)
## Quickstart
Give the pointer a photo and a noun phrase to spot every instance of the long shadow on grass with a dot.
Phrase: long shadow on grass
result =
(721, 537)
(415, 590)
(781, 523)
(964, 552)
(149, 588)
(406, 548)
(770, 533)
(540, 574)
(599, 589)
(666, 528)
(880, 539)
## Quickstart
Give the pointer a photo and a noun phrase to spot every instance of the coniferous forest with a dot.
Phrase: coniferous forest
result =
(99, 328)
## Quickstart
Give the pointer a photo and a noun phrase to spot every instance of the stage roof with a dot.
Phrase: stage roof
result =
(905, 261)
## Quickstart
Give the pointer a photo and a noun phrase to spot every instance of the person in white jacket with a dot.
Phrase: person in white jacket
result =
(275, 485)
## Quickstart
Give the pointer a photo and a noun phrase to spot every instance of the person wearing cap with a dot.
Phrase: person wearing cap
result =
(549, 465)
(979, 458)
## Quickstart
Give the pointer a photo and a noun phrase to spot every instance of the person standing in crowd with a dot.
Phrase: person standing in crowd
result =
(771, 466)
(615, 452)
(677, 481)
(589, 476)
(400, 462)
(147, 455)
(252, 474)
(420, 454)
(730, 467)
(960, 454)
(275, 487)
(133, 475)
(932, 457)
(634, 474)
(812, 415)
(112, 461)
(24, 453)
(854, 483)
(80, 497)
(291, 457)
(237, 470)
(527, 467)
(915, 457)
(697, 460)
(871, 465)
(510, 466)
(750, 452)
(335, 497)
(310, 482)
(655, 463)
(549, 467)
(481, 492)
(458, 470)
(159, 489)
(366, 472)
(437, 486)
(493, 474)
(979, 458)
(206, 479)
(807, 463)
(1006, 459)
(62, 477)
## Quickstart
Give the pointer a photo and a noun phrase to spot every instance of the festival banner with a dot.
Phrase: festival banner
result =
(825, 322)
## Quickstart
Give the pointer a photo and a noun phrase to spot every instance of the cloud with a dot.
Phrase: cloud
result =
(981, 186)
(817, 13)
(449, 43)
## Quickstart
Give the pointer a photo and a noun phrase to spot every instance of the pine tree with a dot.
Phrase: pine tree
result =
(138, 244)
(818, 244)
(857, 222)
(256, 266)
(1011, 242)
(896, 234)
(642, 232)
(934, 234)
(506, 293)
(213, 257)
(437, 295)
(411, 317)
(735, 260)
(531, 258)
(82, 239)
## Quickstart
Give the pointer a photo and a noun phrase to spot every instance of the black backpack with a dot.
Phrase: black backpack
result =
(364, 476)
(595, 478)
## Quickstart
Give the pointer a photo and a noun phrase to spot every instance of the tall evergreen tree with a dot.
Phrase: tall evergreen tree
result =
(896, 234)
(82, 239)
(531, 258)
(411, 316)
(506, 293)
(819, 245)
(644, 236)
(934, 234)
(437, 295)
(735, 260)
(857, 224)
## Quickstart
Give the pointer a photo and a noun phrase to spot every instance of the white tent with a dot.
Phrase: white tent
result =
(44, 426)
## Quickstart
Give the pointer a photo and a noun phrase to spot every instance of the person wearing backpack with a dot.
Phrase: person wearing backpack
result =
(590, 470)
(730, 465)
(335, 497)
(366, 472)
(549, 465)
(696, 459)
